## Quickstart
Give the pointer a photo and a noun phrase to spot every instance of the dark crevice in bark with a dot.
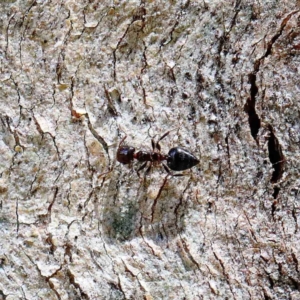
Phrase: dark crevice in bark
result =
(4, 296)
(254, 120)
(294, 283)
(267, 297)
(274, 206)
(116, 291)
(276, 156)
(79, 289)
(294, 215)
(276, 192)
(295, 260)
(17, 216)
(278, 34)
(228, 149)
(271, 281)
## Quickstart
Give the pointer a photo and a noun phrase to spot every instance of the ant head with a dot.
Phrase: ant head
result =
(125, 154)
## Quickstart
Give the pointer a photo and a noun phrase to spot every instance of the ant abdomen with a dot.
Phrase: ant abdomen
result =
(180, 159)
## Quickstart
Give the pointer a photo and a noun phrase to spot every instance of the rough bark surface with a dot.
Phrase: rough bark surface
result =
(76, 77)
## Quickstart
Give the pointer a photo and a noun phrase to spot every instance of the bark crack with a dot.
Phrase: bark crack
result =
(42, 133)
(77, 285)
(225, 273)
(17, 215)
(276, 158)
(249, 107)
(47, 278)
(99, 138)
(61, 55)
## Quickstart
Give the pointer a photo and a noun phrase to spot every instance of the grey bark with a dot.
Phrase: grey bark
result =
(76, 77)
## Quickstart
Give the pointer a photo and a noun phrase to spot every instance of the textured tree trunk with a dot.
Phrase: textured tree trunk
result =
(76, 77)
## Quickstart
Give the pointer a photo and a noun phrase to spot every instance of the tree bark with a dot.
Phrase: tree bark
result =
(78, 76)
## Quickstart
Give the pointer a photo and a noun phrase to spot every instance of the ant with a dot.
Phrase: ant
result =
(178, 159)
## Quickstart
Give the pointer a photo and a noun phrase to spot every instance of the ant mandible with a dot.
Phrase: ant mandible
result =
(178, 159)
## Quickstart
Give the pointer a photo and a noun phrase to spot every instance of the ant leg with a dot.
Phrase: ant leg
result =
(148, 170)
(107, 172)
(178, 175)
(158, 195)
(171, 173)
(141, 168)
(153, 144)
(157, 145)
(163, 136)
(166, 169)
(122, 141)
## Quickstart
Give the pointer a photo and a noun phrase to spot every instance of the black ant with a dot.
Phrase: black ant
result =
(178, 159)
